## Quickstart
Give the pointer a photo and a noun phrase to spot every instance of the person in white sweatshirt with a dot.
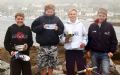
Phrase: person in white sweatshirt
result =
(75, 40)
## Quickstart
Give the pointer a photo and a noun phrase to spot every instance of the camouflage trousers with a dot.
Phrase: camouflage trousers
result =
(47, 57)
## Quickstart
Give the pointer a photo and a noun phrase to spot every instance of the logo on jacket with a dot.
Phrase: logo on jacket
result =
(76, 33)
(107, 33)
(20, 36)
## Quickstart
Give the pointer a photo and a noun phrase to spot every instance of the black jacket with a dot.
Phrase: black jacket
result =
(16, 35)
(46, 37)
(102, 39)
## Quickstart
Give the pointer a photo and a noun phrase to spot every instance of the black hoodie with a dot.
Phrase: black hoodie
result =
(102, 39)
(16, 35)
(46, 37)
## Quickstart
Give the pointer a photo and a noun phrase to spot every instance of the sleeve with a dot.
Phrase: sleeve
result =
(62, 38)
(89, 40)
(8, 41)
(30, 39)
(37, 26)
(113, 40)
(85, 37)
(60, 27)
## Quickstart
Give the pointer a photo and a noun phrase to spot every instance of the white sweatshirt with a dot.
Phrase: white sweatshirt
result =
(80, 35)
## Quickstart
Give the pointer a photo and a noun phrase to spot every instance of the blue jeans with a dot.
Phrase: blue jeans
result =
(101, 60)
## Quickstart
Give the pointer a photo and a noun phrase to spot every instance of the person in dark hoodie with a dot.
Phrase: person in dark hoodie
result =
(18, 40)
(102, 42)
(47, 27)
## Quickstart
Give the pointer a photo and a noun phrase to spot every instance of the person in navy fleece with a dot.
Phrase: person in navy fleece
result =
(102, 42)
(47, 27)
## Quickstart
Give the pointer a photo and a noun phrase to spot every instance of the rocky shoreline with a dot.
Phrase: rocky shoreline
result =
(116, 23)
(5, 57)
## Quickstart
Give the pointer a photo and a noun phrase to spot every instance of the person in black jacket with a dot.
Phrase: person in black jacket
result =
(47, 27)
(18, 40)
(102, 42)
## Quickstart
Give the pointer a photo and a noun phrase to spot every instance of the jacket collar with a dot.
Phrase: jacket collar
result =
(103, 23)
(49, 16)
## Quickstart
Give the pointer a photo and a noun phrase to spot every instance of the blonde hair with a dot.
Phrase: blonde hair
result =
(49, 6)
(72, 9)
(102, 10)
(19, 14)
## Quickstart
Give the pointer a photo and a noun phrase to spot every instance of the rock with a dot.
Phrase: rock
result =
(4, 68)
(114, 69)
(118, 68)
(58, 71)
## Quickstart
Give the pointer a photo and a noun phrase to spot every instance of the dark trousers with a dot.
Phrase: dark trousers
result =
(72, 57)
(18, 66)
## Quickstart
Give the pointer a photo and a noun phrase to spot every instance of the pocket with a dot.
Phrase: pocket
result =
(106, 36)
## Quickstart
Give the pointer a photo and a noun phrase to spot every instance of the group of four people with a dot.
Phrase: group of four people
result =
(100, 43)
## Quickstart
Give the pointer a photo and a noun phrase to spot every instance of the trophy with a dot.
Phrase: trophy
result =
(21, 56)
(68, 36)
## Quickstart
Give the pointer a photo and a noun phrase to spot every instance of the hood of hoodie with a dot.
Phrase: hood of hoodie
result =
(76, 22)
(19, 26)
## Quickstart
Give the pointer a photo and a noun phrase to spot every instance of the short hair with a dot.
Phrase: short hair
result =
(49, 6)
(72, 9)
(102, 10)
(19, 14)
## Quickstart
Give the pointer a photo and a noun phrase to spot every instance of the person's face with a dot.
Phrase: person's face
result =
(101, 17)
(49, 12)
(19, 20)
(72, 15)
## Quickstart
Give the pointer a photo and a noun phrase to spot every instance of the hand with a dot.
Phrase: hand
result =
(82, 45)
(25, 47)
(12, 53)
(45, 26)
(68, 39)
(56, 28)
(110, 54)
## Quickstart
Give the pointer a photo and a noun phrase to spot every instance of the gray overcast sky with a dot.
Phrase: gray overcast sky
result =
(88, 3)
(60, 1)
